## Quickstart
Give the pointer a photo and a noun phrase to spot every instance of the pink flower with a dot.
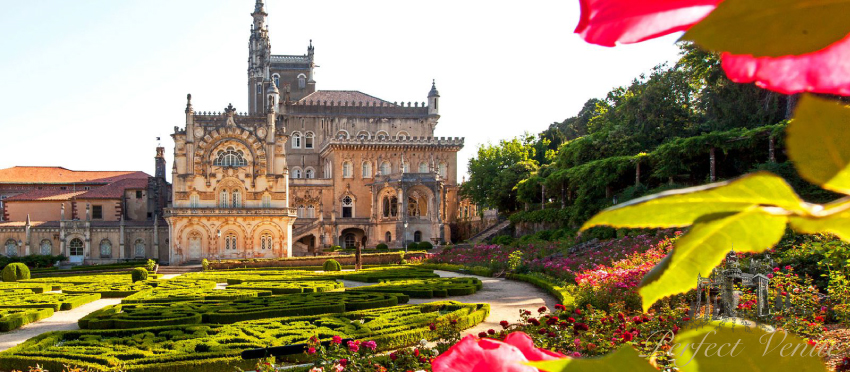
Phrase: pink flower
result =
(353, 346)
(311, 350)
(337, 340)
(474, 355)
(371, 345)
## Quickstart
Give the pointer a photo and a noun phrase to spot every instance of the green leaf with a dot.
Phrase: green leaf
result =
(705, 246)
(682, 207)
(819, 143)
(724, 346)
(772, 28)
(624, 359)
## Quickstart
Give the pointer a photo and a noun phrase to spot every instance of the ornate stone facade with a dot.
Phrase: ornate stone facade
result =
(360, 170)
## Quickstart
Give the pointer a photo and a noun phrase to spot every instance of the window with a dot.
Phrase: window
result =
(140, 248)
(296, 173)
(302, 81)
(308, 140)
(412, 207)
(260, 88)
(300, 213)
(105, 248)
(347, 171)
(386, 206)
(403, 135)
(347, 207)
(311, 211)
(444, 170)
(12, 248)
(46, 247)
(223, 200)
(230, 242)
(388, 237)
(63, 188)
(367, 169)
(363, 135)
(382, 135)
(296, 140)
(423, 167)
(194, 201)
(385, 168)
(230, 158)
(276, 79)
(393, 206)
(237, 199)
(417, 236)
(267, 201)
(342, 134)
(75, 248)
(266, 242)
(349, 240)
(309, 173)
(97, 212)
(138, 194)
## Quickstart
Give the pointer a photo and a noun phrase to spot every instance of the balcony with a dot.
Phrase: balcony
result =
(259, 212)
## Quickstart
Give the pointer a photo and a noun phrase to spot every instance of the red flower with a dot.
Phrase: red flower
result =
(416, 352)
(627, 336)
(542, 309)
(471, 354)
(393, 356)
(491, 332)
(560, 307)
(578, 312)
(504, 324)
(542, 331)
(611, 22)
(581, 327)
(432, 326)
(571, 320)
(534, 322)
(343, 362)
(337, 340)
(482, 334)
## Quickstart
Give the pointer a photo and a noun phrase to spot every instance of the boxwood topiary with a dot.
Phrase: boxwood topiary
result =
(382, 246)
(412, 246)
(139, 274)
(425, 245)
(332, 265)
(15, 271)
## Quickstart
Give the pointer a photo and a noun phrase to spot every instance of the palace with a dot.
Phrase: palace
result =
(304, 169)
(301, 170)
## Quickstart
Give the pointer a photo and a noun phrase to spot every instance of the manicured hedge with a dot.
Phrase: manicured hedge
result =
(372, 275)
(32, 287)
(368, 259)
(15, 271)
(375, 276)
(139, 274)
(290, 287)
(109, 290)
(474, 270)
(562, 294)
(217, 348)
(14, 318)
(55, 301)
(191, 294)
(331, 265)
(426, 288)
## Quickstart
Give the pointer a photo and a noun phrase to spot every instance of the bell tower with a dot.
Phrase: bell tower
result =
(259, 60)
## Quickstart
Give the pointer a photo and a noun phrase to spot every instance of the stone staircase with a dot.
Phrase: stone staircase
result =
(301, 230)
(182, 269)
(489, 232)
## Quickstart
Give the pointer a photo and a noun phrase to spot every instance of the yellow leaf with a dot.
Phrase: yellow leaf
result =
(772, 28)
(682, 207)
(819, 143)
(836, 220)
(705, 246)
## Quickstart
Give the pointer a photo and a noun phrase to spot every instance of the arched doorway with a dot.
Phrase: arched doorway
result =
(195, 246)
(75, 251)
(350, 237)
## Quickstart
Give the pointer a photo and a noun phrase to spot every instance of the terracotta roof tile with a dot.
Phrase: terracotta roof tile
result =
(115, 190)
(343, 96)
(60, 175)
(45, 195)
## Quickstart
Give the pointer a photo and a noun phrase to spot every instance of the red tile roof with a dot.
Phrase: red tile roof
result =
(60, 175)
(45, 195)
(113, 190)
(342, 96)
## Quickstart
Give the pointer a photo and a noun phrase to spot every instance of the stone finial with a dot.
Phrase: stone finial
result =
(189, 103)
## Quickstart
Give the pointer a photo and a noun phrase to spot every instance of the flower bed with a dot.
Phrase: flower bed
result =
(218, 348)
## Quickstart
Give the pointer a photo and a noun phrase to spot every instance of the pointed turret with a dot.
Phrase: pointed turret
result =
(433, 99)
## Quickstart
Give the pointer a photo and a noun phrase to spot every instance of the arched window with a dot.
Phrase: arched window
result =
(267, 201)
(230, 158)
(381, 135)
(259, 88)
(194, 201)
(342, 134)
(223, 200)
(385, 204)
(393, 206)
(412, 207)
(347, 171)
(349, 240)
(367, 169)
(423, 167)
(11, 248)
(105, 248)
(347, 207)
(276, 79)
(75, 248)
(300, 211)
(266, 242)
(386, 168)
(417, 236)
(308, 140)
(388, 237)
(444, 170)
(311, 211)
(140, 248)
(309, 173)
(302, 81)
(46, 247)
(237, 199)
(230, 242)
(403, 135)
(363, 135)
(296, 140)
(296, 173)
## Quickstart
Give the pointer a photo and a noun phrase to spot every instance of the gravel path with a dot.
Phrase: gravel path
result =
(60, 321)
(506, 299)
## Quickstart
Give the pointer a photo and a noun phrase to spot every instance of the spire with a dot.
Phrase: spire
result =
(259, 15)
(259, 7)
(189, 103)
(433, 92)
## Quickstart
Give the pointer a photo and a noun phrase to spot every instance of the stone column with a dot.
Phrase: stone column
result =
(121, 239)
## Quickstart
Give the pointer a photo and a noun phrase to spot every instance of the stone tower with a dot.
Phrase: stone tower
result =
(259, 60)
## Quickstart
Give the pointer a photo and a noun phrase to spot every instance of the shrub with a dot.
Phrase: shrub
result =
(382, 246)
(139, 274)
(15, 271)
(331, 265)
(425, 245)
(205, 264)
(502, 240)
(150, 265)
(412, 246)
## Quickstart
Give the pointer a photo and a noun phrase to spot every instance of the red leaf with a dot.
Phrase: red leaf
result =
(609, 22)
(824, 71)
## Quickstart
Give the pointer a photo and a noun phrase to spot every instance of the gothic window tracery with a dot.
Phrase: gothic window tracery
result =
(223, 201)
(230, 158)
(46, 247)
(11, 248)
(393, 206)
(230, 242)
(296, 173)
(266, 242)
(237, 199)
(311, 211)
(140, 248)
(347, 207)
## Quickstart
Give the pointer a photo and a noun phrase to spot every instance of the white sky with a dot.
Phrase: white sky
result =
(89, 85)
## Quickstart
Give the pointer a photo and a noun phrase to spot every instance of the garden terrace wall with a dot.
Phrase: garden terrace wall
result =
(368, 259)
